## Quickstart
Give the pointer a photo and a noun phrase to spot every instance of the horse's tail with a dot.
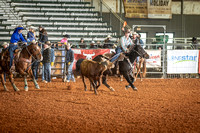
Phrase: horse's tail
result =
(144, 68)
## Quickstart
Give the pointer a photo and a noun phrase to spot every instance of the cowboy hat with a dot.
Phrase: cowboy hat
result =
(4, 43)
(66, 35)
(32, 27)
(127, 30)
(135, 33)
(109, 36)
(48, 43)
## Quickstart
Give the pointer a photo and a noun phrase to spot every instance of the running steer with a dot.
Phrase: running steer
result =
(93, 71)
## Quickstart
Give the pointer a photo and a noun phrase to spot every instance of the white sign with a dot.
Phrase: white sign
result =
(154, 58)
(182, 61)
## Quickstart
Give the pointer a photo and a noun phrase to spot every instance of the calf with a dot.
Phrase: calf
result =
(93, 71)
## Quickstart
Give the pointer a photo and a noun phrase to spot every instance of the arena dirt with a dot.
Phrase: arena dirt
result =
(159, 105)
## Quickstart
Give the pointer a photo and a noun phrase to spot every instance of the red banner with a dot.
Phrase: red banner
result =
(87, 54)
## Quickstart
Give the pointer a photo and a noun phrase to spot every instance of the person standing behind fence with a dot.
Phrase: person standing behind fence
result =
(69, 63)
(65, 39)
(47, 62)
(43, 37)
(82, 44)
(31, 35)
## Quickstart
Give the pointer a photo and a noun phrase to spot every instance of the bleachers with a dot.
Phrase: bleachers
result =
(57, 16)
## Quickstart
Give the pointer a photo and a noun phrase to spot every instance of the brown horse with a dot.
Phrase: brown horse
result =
(23, 62)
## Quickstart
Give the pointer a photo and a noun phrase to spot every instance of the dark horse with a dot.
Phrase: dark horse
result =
(125, 65)
(23, 64)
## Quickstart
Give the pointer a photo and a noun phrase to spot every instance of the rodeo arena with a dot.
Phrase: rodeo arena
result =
(121, 66)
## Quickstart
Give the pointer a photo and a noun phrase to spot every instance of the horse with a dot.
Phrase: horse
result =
(23, 62)
(125, 65)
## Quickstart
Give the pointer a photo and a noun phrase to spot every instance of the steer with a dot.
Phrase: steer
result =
(93, 71)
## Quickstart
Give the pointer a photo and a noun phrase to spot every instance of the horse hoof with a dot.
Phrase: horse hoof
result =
(127, 86)
(37, 87)
(16, 89)
(26, 88)
(112, 89)
(6, 90)
(135, 89)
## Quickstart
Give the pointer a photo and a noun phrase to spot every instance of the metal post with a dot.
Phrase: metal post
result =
(110, 18)
(164, 45)
(92, 3)
(100, 7)
(120, 25)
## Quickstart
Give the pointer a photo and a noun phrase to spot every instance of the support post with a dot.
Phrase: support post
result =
(100, 7)
(120, 25)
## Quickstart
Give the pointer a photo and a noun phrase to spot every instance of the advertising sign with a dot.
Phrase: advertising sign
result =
(135, 8)
(154, 58)
(159, 9)
(182, 61)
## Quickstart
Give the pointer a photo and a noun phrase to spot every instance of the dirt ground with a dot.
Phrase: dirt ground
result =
(159, 105)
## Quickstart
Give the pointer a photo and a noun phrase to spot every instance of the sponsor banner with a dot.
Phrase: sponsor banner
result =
(135, 8)
(182, 61)
(154, 58)
(159, 9)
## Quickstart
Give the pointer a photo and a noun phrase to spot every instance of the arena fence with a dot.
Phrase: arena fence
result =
(178, 63)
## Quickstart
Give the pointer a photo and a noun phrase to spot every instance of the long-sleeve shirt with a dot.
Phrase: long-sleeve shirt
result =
(69, 56)
(30, 36)
(16, 37)
(124, 42)
(46, 55)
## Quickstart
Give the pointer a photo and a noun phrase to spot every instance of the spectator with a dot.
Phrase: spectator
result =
(65, 39)
(15, 38)
(125, 41)
(43, 37)
(107, 42)
(195, 44)
(47, 62)
(92, 45)
(69, 63)
(99, 44)
(134, 38)
(31, 35)
(82, 44)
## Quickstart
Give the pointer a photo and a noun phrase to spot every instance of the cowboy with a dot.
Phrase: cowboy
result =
(31, 34)
(107, 42)
(15, 38)
(124, 42)
(46, 62)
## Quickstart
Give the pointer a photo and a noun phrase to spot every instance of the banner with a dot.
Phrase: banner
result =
(182, 61)
(154, 58)
(159, 9)
(135, 8)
